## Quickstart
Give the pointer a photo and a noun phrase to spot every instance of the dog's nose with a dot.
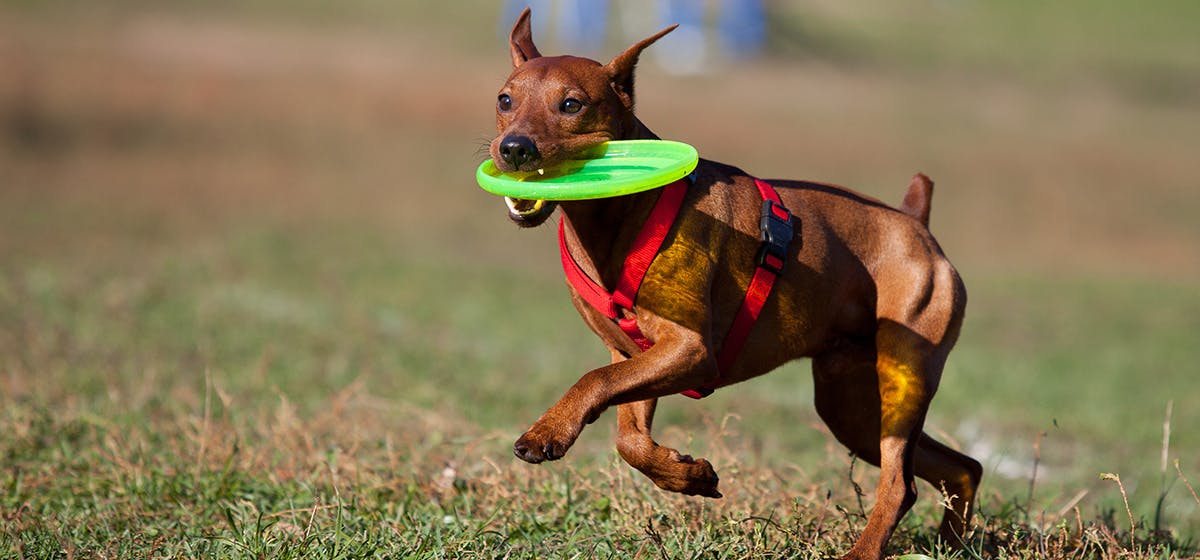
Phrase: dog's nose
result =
(517, 150)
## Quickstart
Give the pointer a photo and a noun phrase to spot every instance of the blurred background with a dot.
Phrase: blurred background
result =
(275, 200)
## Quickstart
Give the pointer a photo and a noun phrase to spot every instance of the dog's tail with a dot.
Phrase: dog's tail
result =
(917, 199)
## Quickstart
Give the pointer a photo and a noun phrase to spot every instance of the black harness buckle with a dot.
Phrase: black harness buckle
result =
(777, 233)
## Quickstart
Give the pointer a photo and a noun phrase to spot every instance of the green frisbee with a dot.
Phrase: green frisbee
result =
(610, 169)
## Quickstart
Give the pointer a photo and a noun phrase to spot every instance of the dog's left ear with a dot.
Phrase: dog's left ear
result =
(620, 70)
(520, 41)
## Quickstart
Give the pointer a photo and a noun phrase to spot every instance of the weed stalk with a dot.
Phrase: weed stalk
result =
(1132, 527)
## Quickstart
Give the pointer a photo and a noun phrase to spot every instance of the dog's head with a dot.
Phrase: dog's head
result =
(553, 108)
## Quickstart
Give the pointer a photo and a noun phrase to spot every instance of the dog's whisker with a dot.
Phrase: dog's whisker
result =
(483, 145)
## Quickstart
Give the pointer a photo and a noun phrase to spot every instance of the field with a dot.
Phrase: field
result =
(252, 304)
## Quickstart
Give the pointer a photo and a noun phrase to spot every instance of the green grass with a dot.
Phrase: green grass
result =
(285, 400)
(252, 451)
(252, 305)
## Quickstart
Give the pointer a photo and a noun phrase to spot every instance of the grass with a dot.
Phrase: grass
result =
(278, 485)
(165, 408)
(252, 306)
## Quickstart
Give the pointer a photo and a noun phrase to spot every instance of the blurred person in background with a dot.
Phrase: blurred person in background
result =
(740, 27)
(580, 27)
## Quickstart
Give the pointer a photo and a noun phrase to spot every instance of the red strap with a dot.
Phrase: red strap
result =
(588, 289)
(648, 242)
(645, 247)
(756, 298)
(630, 326)
(768, 193)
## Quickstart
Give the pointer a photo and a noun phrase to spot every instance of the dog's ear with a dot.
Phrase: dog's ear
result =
(620, 70)
(520, 41)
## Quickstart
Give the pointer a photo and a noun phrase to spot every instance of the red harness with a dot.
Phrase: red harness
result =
(776, 228)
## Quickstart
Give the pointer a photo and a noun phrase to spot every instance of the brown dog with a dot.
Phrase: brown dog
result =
(866, 292)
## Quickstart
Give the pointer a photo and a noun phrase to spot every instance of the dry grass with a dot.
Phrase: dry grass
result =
(367, 476)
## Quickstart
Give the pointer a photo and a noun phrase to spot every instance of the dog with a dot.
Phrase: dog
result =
(858, 286)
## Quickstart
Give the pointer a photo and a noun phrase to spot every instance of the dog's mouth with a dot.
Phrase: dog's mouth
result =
(551, 164)
(528, 213)
(531, 212)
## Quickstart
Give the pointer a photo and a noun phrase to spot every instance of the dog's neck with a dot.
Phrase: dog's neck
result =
(601, 231)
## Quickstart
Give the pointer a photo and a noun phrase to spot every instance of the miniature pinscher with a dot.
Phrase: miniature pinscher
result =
(860, 287)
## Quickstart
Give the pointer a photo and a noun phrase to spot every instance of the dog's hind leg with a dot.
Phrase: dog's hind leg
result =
(882, 387)
(846, 384)
(957, 477)
(876, 408)
(846, 388)
(914, 338)
(669, 469)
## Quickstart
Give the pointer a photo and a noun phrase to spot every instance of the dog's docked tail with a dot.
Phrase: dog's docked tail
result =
(917, 199)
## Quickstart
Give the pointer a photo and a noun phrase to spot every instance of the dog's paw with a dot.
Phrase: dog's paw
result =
(691, 477)
(543, 442)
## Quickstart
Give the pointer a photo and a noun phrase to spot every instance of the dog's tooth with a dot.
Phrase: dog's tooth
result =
(541, 171)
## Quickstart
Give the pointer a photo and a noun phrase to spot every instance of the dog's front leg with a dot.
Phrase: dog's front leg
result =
(678, 361)
(669, 469)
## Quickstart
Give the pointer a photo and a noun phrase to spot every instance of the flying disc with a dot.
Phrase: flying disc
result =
(610, 169)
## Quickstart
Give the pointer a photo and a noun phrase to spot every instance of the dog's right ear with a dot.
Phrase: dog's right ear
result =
(520, 41)
(620, 69)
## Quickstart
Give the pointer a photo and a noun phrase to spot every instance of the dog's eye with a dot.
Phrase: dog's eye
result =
(571, 105)
(504, 102)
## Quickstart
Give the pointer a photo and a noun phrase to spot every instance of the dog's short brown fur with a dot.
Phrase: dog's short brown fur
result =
(867, 293)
